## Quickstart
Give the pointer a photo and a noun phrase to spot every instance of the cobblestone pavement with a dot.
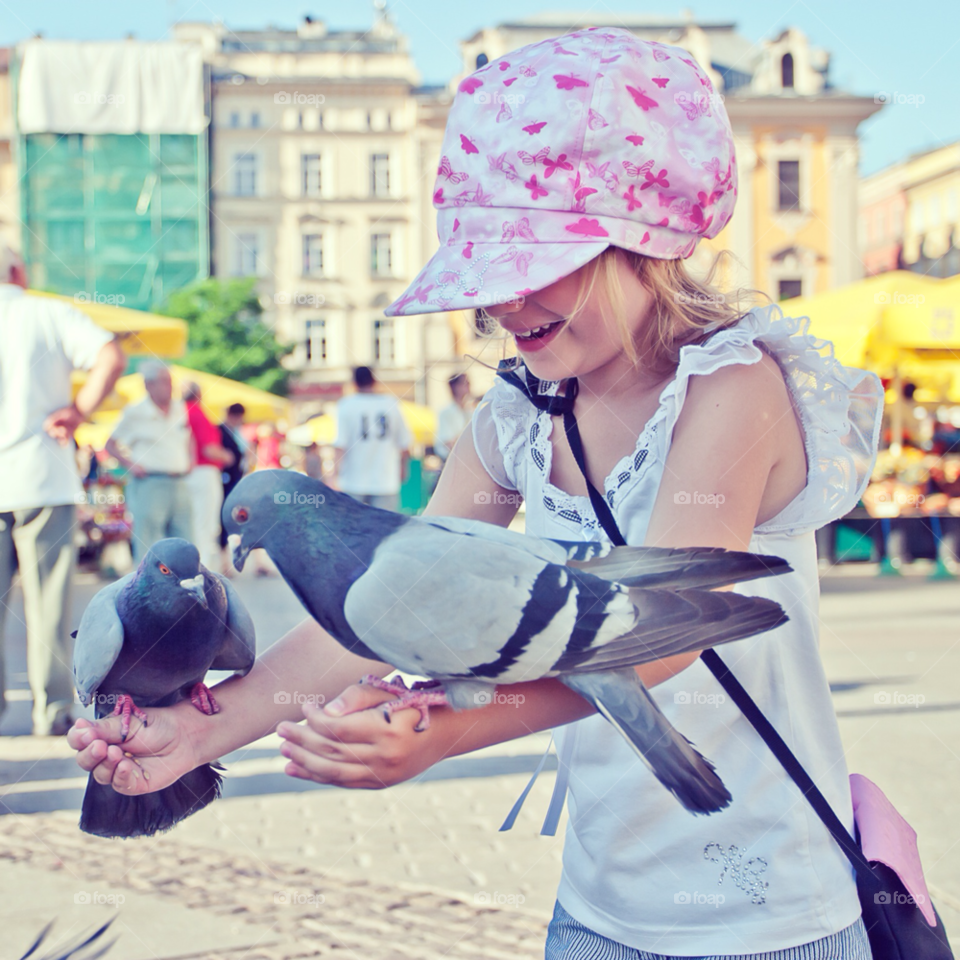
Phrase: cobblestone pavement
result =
(420, 870)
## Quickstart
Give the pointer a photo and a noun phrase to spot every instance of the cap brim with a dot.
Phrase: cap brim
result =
(468, 276)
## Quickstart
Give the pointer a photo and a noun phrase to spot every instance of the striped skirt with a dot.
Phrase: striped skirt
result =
(568, 939)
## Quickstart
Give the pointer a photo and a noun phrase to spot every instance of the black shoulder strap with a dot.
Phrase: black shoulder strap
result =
(729, 682)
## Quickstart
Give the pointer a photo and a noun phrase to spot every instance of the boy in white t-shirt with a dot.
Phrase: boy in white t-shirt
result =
(372, 444)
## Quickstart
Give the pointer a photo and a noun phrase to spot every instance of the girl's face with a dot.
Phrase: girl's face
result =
(563, 348)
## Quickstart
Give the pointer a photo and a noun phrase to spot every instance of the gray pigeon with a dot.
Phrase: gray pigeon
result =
(472, 605)
(148, 640)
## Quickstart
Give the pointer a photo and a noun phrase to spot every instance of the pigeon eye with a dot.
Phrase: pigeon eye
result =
(164, 569)
(240, 514)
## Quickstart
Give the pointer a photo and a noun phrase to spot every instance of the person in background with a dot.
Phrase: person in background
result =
(268, 447)
(372, 444)
(313, 462)
(454, 417)
(152, 441)
(44, 340)
(232, 440)
(205, 480)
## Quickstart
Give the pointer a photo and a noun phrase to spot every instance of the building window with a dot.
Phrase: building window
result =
(786, 71)
(313, 255)
(245, 174)
(933, 211)
(234, 119)
(380, 257)
(254, 119)
(380, 175)
(789, 289)
(788, 172)
(916, 216)
(246, 254)
(311, 179)
(317, 345)
(384, 343)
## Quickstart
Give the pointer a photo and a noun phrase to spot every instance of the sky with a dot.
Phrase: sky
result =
(906, 51)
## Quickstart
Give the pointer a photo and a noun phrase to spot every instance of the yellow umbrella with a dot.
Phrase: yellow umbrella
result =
(140, 332)
(322, 429)
(96, 433)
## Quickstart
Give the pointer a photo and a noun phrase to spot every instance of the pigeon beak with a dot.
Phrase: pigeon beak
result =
(238, 550)
(196, 587)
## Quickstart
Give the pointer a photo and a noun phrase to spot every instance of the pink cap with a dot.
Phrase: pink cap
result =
(565, 147)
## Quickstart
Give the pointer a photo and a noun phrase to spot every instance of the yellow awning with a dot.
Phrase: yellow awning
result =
(880, 322)
(139, 332)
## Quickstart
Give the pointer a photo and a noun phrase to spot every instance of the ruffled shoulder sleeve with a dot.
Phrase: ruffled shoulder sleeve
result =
(840, 409)
(501, 426)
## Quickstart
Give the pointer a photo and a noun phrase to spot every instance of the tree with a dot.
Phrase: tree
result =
(226, 335)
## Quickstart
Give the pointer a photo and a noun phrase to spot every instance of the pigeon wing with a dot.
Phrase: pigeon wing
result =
(239, 649)
(550, 550)
(99, 639)
(438, 604)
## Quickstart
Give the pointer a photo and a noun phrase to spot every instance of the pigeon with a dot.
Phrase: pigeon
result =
(148, 640)
(77, 950)
(472, 605)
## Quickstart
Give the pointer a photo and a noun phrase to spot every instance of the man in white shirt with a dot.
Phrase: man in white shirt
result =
(41, 342)
(454, 417)
(372, 444)
(152, 440)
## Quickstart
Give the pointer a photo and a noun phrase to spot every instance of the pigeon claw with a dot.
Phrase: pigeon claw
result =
(202, 699)
(421, 696)
(124, 708)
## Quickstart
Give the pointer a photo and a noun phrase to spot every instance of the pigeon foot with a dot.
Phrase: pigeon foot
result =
(421, 696)
(124, 708)
(202, 699)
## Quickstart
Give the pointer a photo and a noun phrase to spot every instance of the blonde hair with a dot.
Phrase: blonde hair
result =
(683, 309)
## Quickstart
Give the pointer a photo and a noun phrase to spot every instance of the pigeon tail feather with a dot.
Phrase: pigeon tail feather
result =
(106, 813)
(623, 700)
(702, 567)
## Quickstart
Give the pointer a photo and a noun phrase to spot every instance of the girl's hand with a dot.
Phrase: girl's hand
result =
(350, 745)
(153, 756)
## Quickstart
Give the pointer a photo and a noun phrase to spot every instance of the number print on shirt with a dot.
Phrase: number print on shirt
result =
(746, 876)
(382, 424)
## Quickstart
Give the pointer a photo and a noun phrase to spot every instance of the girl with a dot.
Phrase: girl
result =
(577, 174)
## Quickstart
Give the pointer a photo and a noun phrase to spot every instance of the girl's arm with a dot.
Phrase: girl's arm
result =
(736, 438)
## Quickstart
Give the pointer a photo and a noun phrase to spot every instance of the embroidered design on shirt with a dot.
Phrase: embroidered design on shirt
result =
(746, 876)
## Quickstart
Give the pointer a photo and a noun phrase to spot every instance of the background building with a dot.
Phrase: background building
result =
(112, 160)
(795, 228)
(324, 151)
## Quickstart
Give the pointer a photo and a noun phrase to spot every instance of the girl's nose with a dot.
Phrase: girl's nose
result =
(503, 309)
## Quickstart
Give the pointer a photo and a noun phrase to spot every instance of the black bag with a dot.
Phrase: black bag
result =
(895, 924)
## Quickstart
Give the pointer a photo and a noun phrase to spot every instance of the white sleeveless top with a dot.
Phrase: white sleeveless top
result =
(764, 874)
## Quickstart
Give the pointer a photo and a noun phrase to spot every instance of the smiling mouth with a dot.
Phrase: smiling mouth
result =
(538, 333)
